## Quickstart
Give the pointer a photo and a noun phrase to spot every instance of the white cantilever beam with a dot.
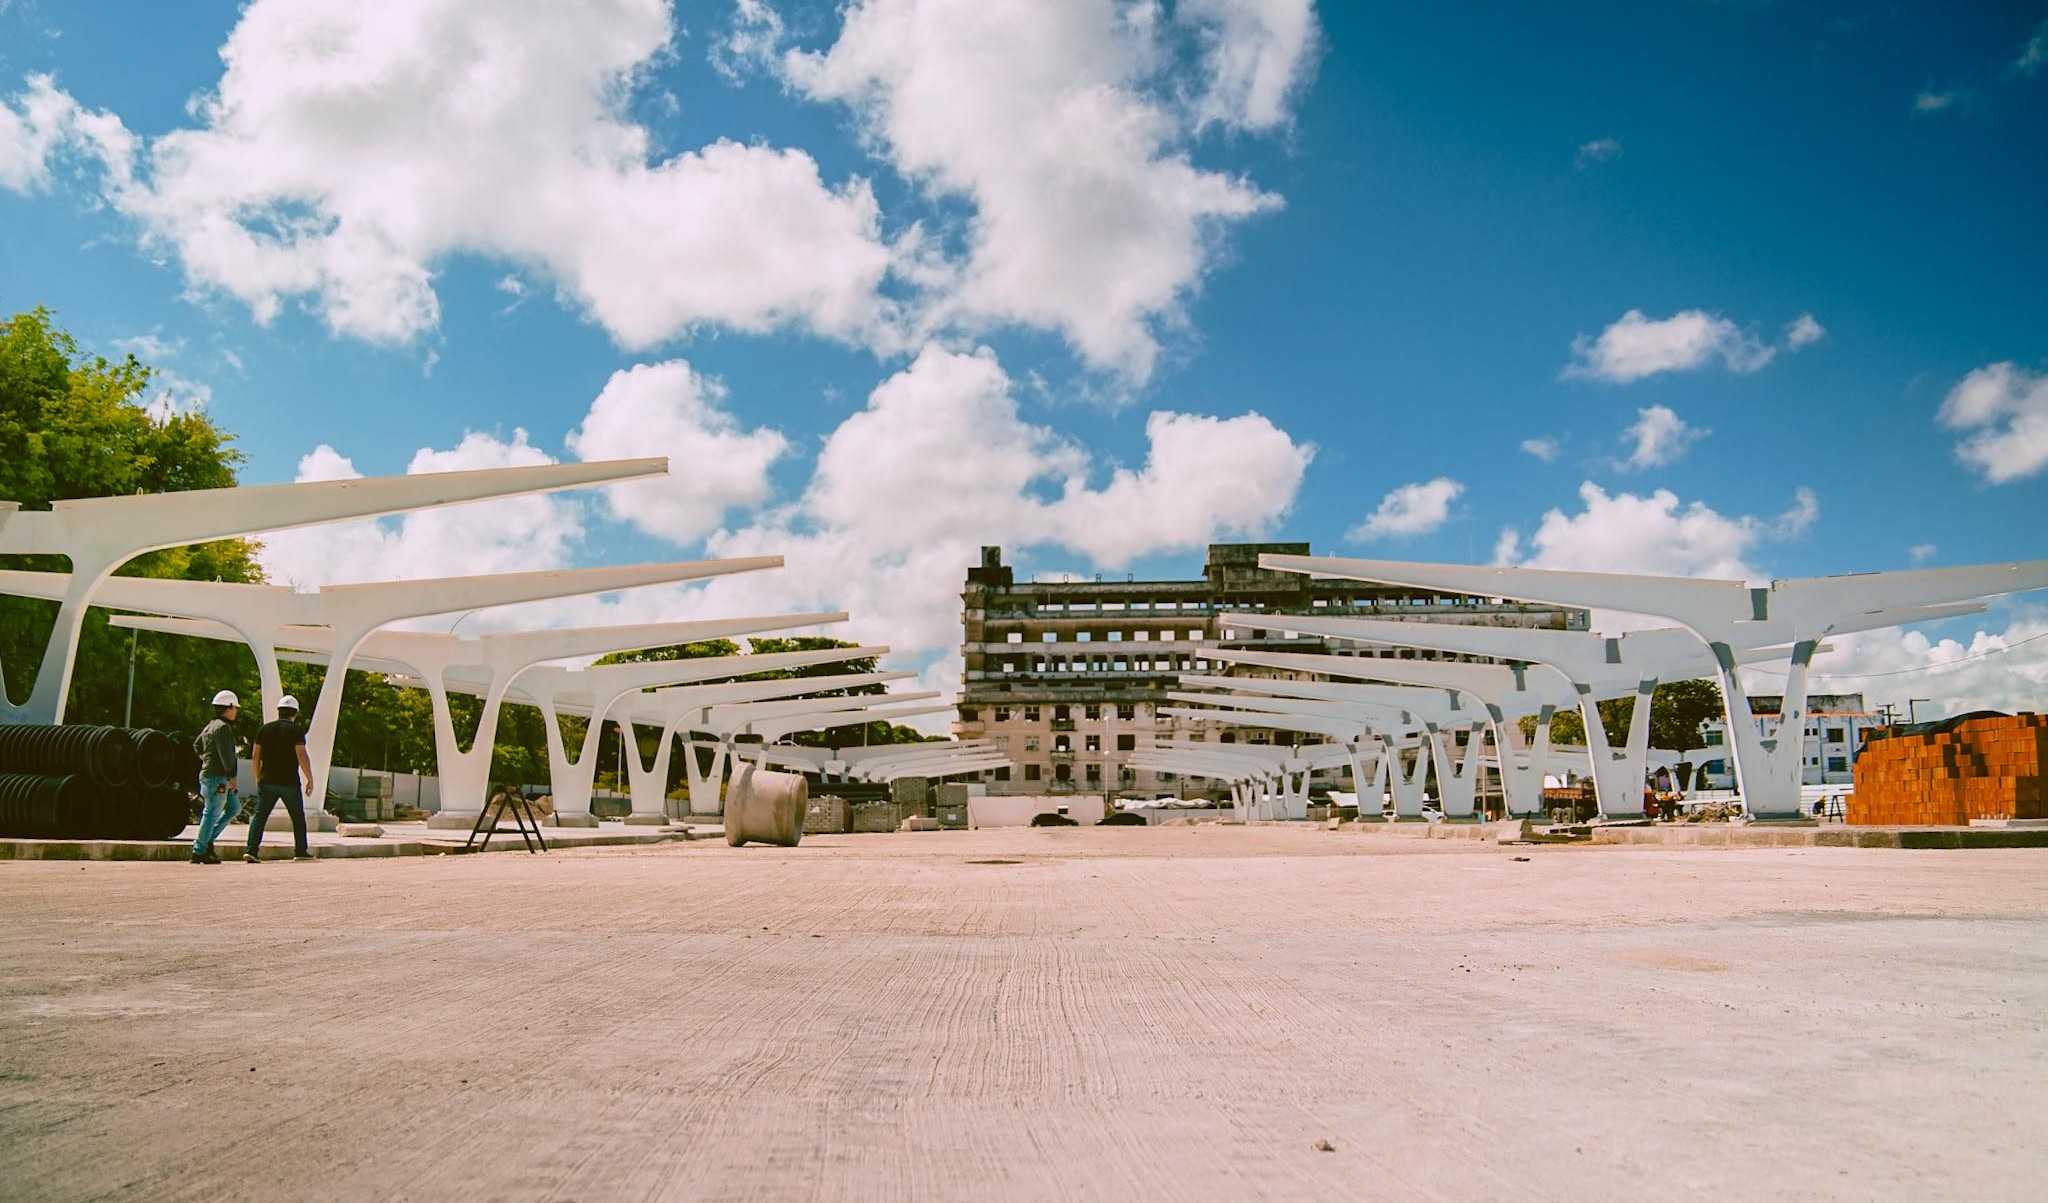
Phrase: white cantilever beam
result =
(548, 686)
(1505, 693)
(1711, 613)
(692, 708)
(592, 692)
(434, 657)
(99, 534)
(1438, 712)
(349, 614)
(1405, 775)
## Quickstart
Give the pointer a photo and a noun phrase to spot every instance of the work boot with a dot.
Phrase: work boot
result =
(303, 854)
(209, 857)
(252, 858)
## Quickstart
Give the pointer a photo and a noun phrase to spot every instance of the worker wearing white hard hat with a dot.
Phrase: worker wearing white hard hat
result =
(279, 757)
(218, 766)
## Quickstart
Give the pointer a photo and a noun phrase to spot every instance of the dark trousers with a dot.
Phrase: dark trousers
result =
(267, 796)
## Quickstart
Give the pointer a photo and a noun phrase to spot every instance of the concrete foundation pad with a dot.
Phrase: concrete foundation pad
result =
(1301, 985)
(646, 820)
(559, 819)
(443, 820)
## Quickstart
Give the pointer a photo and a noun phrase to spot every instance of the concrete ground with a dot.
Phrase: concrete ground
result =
(1155, 1014)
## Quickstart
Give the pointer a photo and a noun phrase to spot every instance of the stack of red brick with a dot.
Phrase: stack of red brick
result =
(1986, 768)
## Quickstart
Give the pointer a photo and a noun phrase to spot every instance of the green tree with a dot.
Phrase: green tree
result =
(1676, 710)
(71, 426)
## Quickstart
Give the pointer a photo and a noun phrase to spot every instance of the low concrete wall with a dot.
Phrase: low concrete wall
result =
(1724, 835)
(1017, 810)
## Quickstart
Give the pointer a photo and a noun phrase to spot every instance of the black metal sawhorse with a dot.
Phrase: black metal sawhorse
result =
(522, 818)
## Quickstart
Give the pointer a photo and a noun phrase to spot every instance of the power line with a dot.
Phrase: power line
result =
(1901, 672)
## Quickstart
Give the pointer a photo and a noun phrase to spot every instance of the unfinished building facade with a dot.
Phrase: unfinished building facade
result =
(1068, 677)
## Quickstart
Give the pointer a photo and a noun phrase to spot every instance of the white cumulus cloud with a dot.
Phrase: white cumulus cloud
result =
(1412, 509)
(1803, 331)
(1998, 661)
(1659, 436)
(350, 148)
(517, 534)
(1658, 534)
(939, 462)
(1257, 56)
(1088, 216)
(1637, 345)
(2004, 407)
(1544, 447)
(668, 409)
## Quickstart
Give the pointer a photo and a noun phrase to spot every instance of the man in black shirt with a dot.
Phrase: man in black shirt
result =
(279, 758)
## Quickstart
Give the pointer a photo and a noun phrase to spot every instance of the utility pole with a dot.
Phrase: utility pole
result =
(128, 711)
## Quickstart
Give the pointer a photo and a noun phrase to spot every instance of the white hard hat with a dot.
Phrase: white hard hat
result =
(287, 702)
(226, 697)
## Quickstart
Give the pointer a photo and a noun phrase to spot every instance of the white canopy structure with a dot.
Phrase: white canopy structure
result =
(723, 712)
(557, 692)
(1593, 666)
(595, 690)
(1727, 616)
(1440, 711)
(1266, 781)
(99, 534)
(351, 613)
(1378, 708)
(1505, 693)
(440, 659)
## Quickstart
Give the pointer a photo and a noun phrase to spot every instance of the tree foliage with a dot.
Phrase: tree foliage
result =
(72, 426)
(1677, 709)
(875, 733)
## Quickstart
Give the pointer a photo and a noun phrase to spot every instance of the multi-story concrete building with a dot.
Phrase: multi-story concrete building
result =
(1835, 723)
(1068, 677)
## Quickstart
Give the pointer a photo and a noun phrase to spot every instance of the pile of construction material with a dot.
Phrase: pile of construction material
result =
(81, 782)
(1976, 767)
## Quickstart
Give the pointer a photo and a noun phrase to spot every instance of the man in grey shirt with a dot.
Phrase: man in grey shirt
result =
(217, 768)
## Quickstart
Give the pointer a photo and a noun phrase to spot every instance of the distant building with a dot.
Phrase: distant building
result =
(1068, 677)
(1835, 723)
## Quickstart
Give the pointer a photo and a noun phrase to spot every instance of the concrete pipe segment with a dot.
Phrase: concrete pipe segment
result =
(766, 807)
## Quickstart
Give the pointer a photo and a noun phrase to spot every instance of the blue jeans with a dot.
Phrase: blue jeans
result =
(267, 796)
(222, 805)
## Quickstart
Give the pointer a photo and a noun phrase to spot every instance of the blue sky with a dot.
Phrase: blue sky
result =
(1406, 238)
